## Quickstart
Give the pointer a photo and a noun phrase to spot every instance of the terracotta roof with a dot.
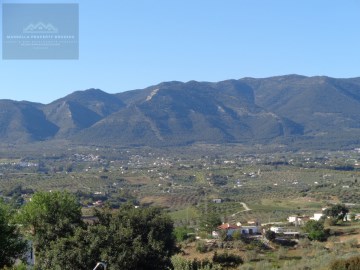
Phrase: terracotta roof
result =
(227, 226)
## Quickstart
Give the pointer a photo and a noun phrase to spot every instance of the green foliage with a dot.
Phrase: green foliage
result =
(126, 239)
(316, 230)
(201, 247)
(352, 263)
(331, 221)
(12, 246)
(180, 263)
(227, 260)
(181, 233)
(50, 216)
(18, 266)
(270, 235)
(337, 211)
(236, 235)
(209, 222)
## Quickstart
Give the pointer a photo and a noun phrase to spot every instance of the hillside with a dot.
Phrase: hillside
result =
(286, 109)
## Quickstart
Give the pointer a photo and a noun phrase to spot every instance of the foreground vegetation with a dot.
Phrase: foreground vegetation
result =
(126, 205)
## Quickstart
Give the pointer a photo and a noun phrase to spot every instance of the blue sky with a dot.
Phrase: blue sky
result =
(130, 44)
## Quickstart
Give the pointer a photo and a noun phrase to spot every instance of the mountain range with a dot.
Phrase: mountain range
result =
(284, 109)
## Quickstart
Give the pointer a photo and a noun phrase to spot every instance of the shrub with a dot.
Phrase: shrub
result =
(281, 254)
(180, 263)
(201, 247)
(270, 235)
(251, 255)
(352, 243)
(331, 221)
(227, 260)
(352, 263)
(316, 231)
(181, 233)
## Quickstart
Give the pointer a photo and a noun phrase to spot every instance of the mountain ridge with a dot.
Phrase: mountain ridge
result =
(249, 110)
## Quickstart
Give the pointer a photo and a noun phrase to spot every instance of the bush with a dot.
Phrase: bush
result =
(352, 243)
(316, 231)
(180, 263)
(236, 235)
(270, 235)
(181, 234)
(352, 263)
(251, 255)
(304, 243)
(331, 221)
(201, 247)
(227, 260)
(281, 254)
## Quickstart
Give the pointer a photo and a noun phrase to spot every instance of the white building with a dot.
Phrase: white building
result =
(230, 229)
(298, 220)
(277, 229)
(317, 216)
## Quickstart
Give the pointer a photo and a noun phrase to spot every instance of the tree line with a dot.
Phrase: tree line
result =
(125, 238)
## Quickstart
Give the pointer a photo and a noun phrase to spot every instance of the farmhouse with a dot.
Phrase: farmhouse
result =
(298, 220)
(277, 229)
(285, 231)
(230, 229)
(317, 216)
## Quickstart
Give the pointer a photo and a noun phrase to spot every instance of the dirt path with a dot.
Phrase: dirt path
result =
(246, 207)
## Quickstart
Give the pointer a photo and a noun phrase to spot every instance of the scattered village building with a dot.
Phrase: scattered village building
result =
(285, 231)
(317, 216)
(217, 200)
(250, 230)
(230, 229)
(253, 222)
(98, 203)
(298, 220)
(277, 229)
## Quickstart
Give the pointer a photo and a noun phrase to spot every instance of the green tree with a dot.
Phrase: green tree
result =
(12, 246)
(126, 239)
(316, 231)
(270, 235)
(50, 216)
(181, 233)
(337, 211)
(209, 222)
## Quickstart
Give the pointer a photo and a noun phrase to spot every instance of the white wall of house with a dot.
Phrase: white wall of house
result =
(292, 219)
(317, 216)
(277, 229)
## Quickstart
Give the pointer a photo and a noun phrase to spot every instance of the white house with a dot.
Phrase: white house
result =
(277, 229)
(230, 229)
(298, 220)
(317, 216)
(285, 231)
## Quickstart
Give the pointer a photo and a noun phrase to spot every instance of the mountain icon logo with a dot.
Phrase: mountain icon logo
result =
(40, 28)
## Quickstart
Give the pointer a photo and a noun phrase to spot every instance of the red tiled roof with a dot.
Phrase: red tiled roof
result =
(227, 226)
